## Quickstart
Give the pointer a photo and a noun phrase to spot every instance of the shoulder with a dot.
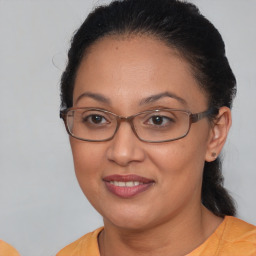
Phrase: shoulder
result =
(239, 229)
(7, 250)
(233, 237)
(238, 237)
(86, 244)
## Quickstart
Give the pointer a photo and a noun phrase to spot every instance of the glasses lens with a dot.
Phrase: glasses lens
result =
(91, 125)
(161, 125)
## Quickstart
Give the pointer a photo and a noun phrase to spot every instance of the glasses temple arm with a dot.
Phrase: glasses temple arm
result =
(198, 116)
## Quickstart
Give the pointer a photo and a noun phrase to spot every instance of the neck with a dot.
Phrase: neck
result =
(177, 237)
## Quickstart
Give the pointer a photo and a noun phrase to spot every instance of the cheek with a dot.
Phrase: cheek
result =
(180, 178)
(86, 154)
(182, 161)
(88, 163)
(178, 154)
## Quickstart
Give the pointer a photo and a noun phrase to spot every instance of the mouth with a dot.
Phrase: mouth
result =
(127, 186)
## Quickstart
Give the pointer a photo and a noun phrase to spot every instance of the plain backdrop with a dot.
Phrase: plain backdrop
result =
(41, 206)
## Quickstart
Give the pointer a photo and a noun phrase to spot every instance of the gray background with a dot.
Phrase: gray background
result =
(41, 205)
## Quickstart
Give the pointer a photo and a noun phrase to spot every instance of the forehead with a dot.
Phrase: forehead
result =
(127, 69)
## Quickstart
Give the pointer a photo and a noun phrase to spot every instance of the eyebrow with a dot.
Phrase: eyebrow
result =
(156, 97)
(150, 99)
(95, 96)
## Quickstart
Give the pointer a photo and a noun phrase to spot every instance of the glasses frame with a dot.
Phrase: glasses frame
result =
(193, 118)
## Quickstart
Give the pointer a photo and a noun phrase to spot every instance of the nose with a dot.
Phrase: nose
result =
(125, 147)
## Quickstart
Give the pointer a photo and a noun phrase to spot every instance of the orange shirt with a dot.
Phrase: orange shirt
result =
(233, 237)
(7, 250)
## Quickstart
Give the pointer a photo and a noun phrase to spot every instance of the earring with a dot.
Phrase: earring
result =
(214, 155)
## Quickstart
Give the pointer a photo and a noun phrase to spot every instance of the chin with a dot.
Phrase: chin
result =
(129, 218)
(130, 224)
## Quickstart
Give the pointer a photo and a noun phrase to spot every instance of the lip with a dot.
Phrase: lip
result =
(127, 191)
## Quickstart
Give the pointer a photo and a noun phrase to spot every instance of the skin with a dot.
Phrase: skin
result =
(168, 218)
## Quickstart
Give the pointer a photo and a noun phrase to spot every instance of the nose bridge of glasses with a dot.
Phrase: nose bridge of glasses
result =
(125, 118)
(129, 120)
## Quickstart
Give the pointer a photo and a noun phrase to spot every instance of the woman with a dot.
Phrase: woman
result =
(146, 98)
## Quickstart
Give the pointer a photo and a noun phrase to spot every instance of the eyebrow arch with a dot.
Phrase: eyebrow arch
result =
(95, 96)
(156, 97)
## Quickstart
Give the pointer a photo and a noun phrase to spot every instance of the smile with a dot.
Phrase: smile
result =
(127, 186)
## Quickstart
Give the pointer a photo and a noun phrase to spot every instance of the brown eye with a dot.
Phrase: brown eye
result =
(94, 119)
(158, 120)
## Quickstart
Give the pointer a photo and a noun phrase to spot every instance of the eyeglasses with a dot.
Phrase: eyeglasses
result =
(158, 125)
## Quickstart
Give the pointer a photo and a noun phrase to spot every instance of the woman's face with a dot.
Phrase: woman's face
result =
(117, 75)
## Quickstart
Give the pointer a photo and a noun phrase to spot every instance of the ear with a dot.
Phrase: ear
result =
(218, 134)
